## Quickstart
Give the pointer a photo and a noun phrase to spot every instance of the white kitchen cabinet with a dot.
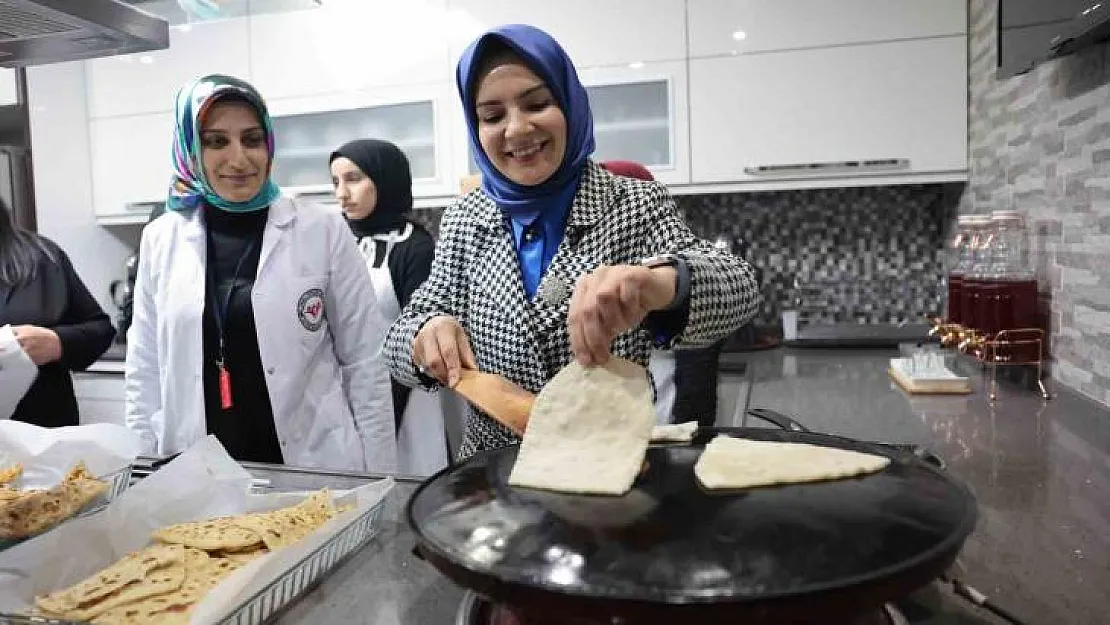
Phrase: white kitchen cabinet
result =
(307, 130)
(640, 114)
(778, 116)
(130, 163)
(348, 46)
(722, 27)
(593, 33)
(99, 397)
(147, 83)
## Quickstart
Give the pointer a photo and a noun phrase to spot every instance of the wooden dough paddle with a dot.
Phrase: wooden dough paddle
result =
(501, 399)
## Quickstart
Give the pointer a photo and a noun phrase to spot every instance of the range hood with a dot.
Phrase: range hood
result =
(34, 32)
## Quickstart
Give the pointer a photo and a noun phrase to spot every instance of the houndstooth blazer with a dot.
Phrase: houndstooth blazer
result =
(613, 221)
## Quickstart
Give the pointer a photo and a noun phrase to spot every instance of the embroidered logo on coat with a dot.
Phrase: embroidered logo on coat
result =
(310, 309)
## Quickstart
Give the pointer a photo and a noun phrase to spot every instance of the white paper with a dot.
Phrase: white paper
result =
(47, 453)
(17, 372)
(201, 483)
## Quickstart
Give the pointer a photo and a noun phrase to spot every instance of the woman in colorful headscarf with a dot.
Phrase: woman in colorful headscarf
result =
(373, 183)
(254, 319)
(553, 258)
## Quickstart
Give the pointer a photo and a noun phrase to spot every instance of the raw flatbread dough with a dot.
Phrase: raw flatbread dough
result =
(589, 430)
(732, 463)
(674, 432)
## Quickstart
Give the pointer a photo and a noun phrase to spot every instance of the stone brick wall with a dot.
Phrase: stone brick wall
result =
(1040, 144)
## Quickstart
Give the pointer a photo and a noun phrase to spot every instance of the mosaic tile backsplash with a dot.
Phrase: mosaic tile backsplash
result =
(866, 254)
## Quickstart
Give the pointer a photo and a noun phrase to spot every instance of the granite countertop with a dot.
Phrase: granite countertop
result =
(1040, 470)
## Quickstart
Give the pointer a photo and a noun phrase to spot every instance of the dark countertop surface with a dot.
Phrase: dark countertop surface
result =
(1040, 470)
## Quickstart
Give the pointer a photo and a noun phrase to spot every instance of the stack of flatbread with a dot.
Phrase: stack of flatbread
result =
(163, 583)
(29, 512)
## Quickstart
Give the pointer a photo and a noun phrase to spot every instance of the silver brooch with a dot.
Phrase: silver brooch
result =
(554, 290)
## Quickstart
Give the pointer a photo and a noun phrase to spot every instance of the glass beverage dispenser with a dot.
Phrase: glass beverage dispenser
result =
(959, 261)
(979, 243)
(1010, 285)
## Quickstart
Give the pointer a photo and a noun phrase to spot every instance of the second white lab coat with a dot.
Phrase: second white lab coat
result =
(328, 385)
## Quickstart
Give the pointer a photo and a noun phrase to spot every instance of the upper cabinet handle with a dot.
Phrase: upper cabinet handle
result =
(863, 167)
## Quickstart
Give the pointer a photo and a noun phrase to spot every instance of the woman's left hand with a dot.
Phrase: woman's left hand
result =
(41, 344)
(611, 300)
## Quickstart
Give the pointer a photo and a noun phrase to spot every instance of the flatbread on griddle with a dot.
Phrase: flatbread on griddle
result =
(152, 571)
(734, 463)
(589, 430)
(674, 432)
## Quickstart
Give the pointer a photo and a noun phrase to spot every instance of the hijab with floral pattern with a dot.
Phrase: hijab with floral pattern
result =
(189, 188)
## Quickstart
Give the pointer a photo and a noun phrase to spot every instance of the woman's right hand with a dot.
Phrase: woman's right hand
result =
(441, 350)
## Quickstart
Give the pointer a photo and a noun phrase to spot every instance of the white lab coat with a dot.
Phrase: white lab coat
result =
(422, 447)
(328, 385)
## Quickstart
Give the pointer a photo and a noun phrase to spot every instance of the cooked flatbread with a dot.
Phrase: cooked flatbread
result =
(733, 463)
(241, 557)
(153, 571)
(221, 533)
(589, 430)
(35, 511)
(7, 493)
(78, 473)
(318, 507)
(202, 573)
(11, 474)
(286, 526)
(674, 432)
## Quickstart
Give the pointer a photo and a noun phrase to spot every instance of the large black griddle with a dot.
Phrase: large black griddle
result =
(670, 552)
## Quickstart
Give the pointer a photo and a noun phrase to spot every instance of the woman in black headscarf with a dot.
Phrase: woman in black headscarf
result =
(373, 184)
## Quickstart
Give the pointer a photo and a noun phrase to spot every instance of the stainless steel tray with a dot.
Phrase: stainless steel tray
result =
(282, 592)
(118, 481)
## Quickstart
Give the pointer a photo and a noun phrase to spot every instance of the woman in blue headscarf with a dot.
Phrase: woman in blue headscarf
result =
(553, 258)
(254, 317)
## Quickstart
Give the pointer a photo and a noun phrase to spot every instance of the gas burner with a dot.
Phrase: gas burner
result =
(477, 611)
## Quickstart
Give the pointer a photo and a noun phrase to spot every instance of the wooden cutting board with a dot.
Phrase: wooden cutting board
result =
(940, 386)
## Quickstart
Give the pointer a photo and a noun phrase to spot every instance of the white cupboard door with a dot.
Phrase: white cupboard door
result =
(347, 46)
(130, 162)
(641, 114)
(307, 130)
(896, 100)
(593, 33)
(719, 27)
(147, 83)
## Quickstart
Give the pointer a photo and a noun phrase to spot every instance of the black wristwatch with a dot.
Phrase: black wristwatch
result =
(682, 277)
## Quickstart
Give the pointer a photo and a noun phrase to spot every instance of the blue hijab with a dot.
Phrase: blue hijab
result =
(546, 58)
